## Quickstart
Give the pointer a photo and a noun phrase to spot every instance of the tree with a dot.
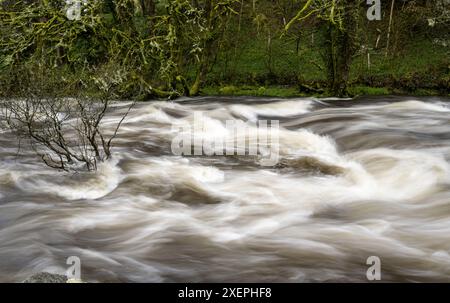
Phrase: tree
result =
(214, 17)
(66, 133)
(341, 21)
(187, 37)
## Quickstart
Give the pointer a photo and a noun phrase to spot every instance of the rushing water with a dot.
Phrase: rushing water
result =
(357, 178)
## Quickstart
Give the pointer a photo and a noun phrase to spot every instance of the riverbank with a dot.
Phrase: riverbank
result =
(253, 57)
(250, 61)
(292, 92)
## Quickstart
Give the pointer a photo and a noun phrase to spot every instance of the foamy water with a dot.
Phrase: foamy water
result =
(355, 179)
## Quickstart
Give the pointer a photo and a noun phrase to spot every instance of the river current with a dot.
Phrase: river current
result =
(356, 178)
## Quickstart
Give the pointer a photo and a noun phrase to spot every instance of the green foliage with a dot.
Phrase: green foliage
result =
(40, 32)
(271, 91)
(180, 46)
(156, 49)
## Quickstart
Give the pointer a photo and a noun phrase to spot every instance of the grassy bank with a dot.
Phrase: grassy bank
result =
(419, 66)
(292, 92)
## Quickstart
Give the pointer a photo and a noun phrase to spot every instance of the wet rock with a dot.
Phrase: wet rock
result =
(310, 164)
(45, 277)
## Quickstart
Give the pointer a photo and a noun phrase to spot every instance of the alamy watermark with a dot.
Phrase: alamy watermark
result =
(74, 8)
(374, 11)
(73, 273)
(374, 271)
(237, 139)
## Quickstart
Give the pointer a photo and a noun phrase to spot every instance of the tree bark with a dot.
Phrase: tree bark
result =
(208, 52)
(339, 50)
(149, 7)
(390, 26)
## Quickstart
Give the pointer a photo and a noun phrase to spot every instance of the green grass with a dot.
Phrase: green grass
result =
(366, 90)
(252, 61)
(417, 56)
(417, 65)
(272, 91)
(291, 92)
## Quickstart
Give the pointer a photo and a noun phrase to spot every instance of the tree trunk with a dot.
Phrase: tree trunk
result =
(149, 7)
(208, 52)
(138, 11)
(389, 28)
(339, 50)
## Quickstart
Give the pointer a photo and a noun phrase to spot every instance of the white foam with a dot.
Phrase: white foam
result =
(409, 105)
(95, 186)
(403, 174)
(274, 109)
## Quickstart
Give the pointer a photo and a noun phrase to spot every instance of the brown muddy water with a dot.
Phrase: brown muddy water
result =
(357, 178)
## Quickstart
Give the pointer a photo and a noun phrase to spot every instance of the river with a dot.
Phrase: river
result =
(356, 178)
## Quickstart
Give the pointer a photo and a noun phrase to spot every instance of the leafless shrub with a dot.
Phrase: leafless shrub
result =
(66, 133)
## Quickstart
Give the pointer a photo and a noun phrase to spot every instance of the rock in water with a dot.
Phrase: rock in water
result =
(45, 277)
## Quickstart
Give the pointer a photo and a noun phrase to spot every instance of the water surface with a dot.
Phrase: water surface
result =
(356, 178)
